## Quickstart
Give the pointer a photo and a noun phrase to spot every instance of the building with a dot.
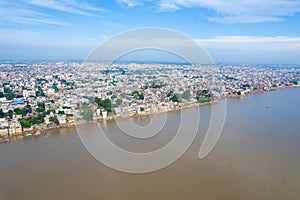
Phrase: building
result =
(15, 128)
(3, 127)
(70, 120)
(104, 114)
(62, 119)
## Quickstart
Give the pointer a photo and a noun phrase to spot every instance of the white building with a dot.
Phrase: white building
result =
(104, 114)
(62, 119)
(25, 94)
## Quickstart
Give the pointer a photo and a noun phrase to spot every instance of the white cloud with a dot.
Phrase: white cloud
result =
(244, 19)
(69, 6)
(252, 43)
(164, 6)
(277, 49)
(129, 3)
(28, 20)
(250, 39)
(230, 11)
(16, 13)
(28, 12)
(238, 11)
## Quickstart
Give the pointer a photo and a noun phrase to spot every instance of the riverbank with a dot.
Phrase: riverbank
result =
(190, 105)
(40, 130)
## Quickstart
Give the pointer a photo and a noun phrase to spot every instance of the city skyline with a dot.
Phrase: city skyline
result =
(230, 31)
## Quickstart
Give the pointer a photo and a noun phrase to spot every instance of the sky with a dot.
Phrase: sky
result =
(241, 31)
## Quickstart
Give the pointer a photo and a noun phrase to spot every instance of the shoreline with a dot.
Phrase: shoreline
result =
(191, 105)
(42, 130)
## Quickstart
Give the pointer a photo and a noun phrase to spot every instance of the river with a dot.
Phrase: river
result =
(256, 157)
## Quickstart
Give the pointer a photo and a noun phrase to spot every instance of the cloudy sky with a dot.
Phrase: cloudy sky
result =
(243, 31)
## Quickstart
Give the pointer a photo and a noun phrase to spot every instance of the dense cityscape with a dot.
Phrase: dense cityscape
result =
(40, 96)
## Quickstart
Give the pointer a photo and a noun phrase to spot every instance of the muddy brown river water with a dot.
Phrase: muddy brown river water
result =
(256, 157)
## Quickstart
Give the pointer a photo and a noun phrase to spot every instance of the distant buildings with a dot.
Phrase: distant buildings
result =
(45, 95)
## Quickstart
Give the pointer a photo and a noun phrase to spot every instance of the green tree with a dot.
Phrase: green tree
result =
(186, 95)
(87, 114)
(1, 114)
(54, 120)
(20, 111)
(107, 105)
(55, 88)
(135, 93)
(41, 107)
(6, 89)
(295, 82)
(203, 99)
(141, 97)
(119, 102)
(174, 98)
(39, 92)
(9, 114)
(97, 100)
(49, 111)
(66, 107)
(25, 123)
(170, 94)
(205, 93)
(28, 122)
(9, 94)
(61, 112)
(113, 96)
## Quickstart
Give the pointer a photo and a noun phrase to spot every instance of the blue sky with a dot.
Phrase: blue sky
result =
(250, 31)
